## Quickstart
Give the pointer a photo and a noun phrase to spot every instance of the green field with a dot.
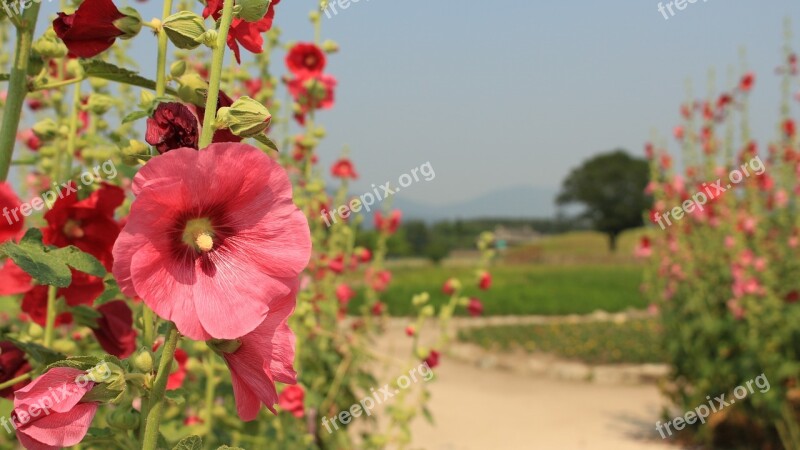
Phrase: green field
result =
(638, 341)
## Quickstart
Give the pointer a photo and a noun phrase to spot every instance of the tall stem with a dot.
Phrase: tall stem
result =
(211, 386)
(153, 419)
(17, 87)
(161, 74)
(217, 59)
(50, 319)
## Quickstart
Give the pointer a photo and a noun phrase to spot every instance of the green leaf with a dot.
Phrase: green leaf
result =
(266, 141)
(225, 447)
(111, 292)
(81, 261)
(107, 71)
(134, 116)
(32, 257)
(4, 77)
(38, 353)
(189, 443)
(176, 396)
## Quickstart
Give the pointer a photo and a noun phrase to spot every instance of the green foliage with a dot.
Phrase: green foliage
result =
(611, 187)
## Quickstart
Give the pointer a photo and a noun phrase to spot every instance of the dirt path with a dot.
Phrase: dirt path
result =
(487, 409)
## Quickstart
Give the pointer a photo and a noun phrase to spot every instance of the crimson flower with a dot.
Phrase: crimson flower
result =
(69, 418)
(115, 330)
(11, 224)
(378, 308)
(312, 93)
(344, 293)
(12, 364)
(747, 81)
(291, 400)
(91, 30)
(475, 307)
(263, 357)
(433, 359)
(305, 59)
(212, 239)
(390, 224)
(449, 287)
(248, 34)
(172, 126)
(485, 281)
(344, 169)
(176, 378)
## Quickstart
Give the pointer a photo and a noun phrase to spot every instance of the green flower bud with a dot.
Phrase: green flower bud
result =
(143, 361)
(209, 39)
(124, 419)
(314, 16)
(330, 46)
(46, 129)
(253, 10)
(178, 68)
(100, 103)
(48, 151)
(245, 117)
(98, 83)
(146, 98)
(49, 46)
(35, 331)
(131, 24)
(319, 132)
(192, 89)
(74, 68)
(427, 311)
(110, 384)
(420, 299)
(135, 152)
(66, 346)
(184, 28)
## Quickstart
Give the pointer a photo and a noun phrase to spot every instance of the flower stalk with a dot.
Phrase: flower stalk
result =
(217, 60)
(156, 400)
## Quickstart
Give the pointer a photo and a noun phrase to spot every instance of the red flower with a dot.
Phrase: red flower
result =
(344, 293)
(213, 238)
(378, 308)
(172, 126)
(248, 34)
(411, 331)
(433, 359)
(305, 59)
(380, 280)
(175, 380)
(475, 307)
(364, 255)
(312, 93)
(449, 287)
(115, 329)
(389, 226)
(291, 400)
(485, 281)
(91, 30)
(789, 128)
(68, 419)
(746, 84)
(12, 365)
(263, 357)
(343, 168)
(12, 222)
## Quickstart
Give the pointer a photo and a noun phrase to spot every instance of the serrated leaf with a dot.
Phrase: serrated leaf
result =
(189, 443)
(111, 292)
(38, 353)
(81, 261)
(266, 141)
(32, 257)
(107, 71)
(176, 396)
(134, 116)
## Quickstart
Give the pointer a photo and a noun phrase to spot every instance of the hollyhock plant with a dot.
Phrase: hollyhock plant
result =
(344, 169)
(260, 358)
(305, 60)
(210, 249)
(115, 330)
(244, 33)
(474, 307)
(172, 126)
(95, 25)
(485, 281)
(291, 400)
(13, 364)
(69, 418)
(388, 225)
(312, 93)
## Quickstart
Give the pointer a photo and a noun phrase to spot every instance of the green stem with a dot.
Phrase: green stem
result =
(161, 74)
(73, 134)
(149, 325)
(153, 419)
(17, 87)
(50, 320)
(211, 386)
(14, 381)
(58, 84)
(217, 59)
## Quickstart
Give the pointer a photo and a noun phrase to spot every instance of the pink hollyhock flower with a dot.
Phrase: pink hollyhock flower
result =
(411, 331)
(305, 59)
(115, 330)
(389, 225)
(212, 239)
(364, 255)
(433, 359)
(344, 169)
(344, 293)
(68, 420)
(380, 280)
(263, 357)
(291, 400)
(474, 307)
(449, 287)
(485, 281)
(644, 249)
(12, 222)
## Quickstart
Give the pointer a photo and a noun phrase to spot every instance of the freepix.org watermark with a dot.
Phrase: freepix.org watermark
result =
(331, 9)
(678, 5)
(366, 200)
(710, 192)
(719, 403)
(99, 373)
(383, 394)
(48, 198)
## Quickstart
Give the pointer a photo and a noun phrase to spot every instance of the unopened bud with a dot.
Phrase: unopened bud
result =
(253, 10)
(330, 46)
(245, 117)
(100, 103)
(184, 28)
(143, 361)
(46, 129)
(178, 68)
(49, 46)
(130, 24)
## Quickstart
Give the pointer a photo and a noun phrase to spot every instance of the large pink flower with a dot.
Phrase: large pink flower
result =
(212, 239)
(65, 421)
(264, 357)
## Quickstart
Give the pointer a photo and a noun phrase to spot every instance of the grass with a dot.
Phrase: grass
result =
(523, 289)
(636, 341)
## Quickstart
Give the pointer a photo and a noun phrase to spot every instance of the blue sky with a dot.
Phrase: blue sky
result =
(510, 92)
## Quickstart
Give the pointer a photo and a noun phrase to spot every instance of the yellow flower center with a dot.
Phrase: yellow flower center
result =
(199, 234)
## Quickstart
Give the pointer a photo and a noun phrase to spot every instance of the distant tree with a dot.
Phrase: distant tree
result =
(417, 235)
(611, 187)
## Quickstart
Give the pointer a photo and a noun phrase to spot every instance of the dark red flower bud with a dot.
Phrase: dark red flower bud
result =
(172, 126)
(12, 365)
(115, 330)
(94, 27)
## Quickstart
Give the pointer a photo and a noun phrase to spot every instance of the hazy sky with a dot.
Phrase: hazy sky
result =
(512, 92)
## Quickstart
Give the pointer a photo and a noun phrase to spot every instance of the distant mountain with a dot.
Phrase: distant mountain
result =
(512, 202)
